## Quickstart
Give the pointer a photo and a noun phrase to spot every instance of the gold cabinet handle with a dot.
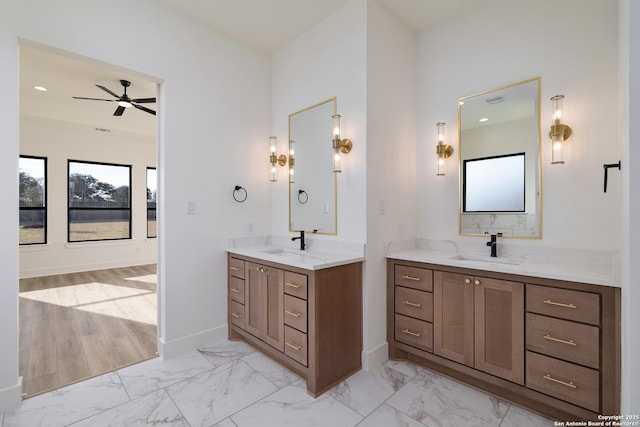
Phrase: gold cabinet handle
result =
(467, 281)
(415, 279)
(567, 384)
(234, 268)
(293, 285)
(550, 338)
(548, 301)
(412, 304)
(408, 332)
(292, 313)
(293, 346)
(235, 290)
(235, 315)
(477, 282)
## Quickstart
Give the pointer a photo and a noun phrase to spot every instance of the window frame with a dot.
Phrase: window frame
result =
(155, 203)
(70, 209)
(44, 208)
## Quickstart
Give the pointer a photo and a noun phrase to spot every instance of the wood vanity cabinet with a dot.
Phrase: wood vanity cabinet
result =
(548, 345)
(308, 320)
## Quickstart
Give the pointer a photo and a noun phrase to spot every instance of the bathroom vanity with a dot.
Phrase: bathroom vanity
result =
(551, 345)
(303, 310)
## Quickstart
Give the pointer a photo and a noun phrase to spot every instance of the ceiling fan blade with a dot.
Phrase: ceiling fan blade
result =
(108, 91)
(144, 100)
(119, 110)
(140, 107)
(94, 99)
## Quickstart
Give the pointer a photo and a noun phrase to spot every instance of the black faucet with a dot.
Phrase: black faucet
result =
(301, 237)
(494, 244)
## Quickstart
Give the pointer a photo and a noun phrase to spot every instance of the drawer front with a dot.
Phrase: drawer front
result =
(416, 333)
(237, 314)
(236, 267)
(566, 381)
(295, 284)
(570, 341)
(236, 289)
(295, 313)
(414, 303)
(414, 277)
(295, 345)
(564, 303)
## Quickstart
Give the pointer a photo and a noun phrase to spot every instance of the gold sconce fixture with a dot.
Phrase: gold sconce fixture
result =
(274, 158)
(292, 162)
(339, 145)
(559, 132)
(444, 151)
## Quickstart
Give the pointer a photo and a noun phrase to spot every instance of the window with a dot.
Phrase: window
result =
(152, 191)
(33, 200)
(99, 201)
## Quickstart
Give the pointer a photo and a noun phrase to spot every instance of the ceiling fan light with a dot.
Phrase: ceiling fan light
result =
(125, 104)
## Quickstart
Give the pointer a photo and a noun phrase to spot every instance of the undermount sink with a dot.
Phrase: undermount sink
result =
(293, 254)
(488, 260)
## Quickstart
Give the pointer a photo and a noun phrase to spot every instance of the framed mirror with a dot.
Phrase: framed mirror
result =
(312, 188)
(500, 179)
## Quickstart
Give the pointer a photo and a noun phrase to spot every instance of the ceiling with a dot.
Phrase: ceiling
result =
(270, 26)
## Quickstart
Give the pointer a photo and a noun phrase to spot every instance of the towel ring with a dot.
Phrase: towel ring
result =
(239, 190)
(303, 197)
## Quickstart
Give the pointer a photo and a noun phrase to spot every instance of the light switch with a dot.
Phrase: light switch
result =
(191, 207)
(380, 207)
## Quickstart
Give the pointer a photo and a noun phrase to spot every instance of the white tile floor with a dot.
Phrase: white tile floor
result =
(232, 385)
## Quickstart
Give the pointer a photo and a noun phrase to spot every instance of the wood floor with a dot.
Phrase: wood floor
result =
(76, 326)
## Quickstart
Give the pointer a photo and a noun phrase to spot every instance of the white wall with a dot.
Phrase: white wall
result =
(505, 43)
(61, 141)
(213, 118)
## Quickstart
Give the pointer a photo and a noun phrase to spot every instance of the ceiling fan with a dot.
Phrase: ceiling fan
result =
(123, 101)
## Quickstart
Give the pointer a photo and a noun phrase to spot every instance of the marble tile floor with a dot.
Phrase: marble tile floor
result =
(231, 385)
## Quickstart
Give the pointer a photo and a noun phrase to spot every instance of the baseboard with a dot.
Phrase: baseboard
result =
(376, 357)
(67, 269)
(11, 397)
(169, 349)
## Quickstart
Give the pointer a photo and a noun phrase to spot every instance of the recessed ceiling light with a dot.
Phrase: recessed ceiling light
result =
(40, 88)
(484, 119)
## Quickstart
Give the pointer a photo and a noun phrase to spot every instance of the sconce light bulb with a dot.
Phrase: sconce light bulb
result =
(273, 149)
(291, 152)
(557, 145)
(440, 161)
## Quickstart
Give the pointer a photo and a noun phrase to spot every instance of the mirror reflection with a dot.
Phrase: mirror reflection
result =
(500, 161)
(312, 194)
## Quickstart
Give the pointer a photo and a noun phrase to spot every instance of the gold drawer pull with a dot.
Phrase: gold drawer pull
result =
(235, 290)
(550, 338)
(293, 346)
(559, 304)
(292, 313)
(234, 268)
(293, 285)
(412, 304)
(235, 315)
(415, 279)
(415, 334)
(550, 378)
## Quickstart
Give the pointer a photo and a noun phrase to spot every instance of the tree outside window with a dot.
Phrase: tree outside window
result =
(33, 200)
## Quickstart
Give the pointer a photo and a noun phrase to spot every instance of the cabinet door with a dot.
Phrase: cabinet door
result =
(272, 307)
(453, 316)
(253, 299)
(499, 328)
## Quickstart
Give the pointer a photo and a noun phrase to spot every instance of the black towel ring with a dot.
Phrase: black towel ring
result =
(239, 189)
(303, 197)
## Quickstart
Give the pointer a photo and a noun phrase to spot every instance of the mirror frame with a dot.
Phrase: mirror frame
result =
(538, 197)
(335, 178)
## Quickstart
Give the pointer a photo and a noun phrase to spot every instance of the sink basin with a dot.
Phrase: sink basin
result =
(300, 256)
(487, 259)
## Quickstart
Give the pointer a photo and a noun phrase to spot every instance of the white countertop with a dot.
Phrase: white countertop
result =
(318, 255)
(594, 267)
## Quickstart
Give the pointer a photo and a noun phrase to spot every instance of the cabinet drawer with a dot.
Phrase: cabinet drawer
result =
(574, 342)
(236, 267)
(295, 284)
(295, 345)
(414, 303)
(295, 313)
(416, 333)
(563, 380)
(414, 277)
(236, 289)
(564, 303)
(237, 314)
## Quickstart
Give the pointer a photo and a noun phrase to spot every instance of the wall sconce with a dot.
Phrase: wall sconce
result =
(274, 158)
(559, 132)
(339, 145)
(443, 150)
(292, 162)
